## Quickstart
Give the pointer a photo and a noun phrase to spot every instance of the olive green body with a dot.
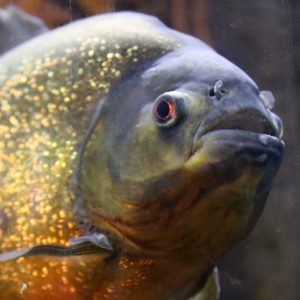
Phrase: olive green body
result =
(75, 157)
(49, 92)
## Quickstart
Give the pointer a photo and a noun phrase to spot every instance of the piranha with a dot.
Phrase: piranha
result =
(132, 157)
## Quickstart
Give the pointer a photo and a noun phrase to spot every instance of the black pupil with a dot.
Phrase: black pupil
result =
(212, 92)
(163, 109)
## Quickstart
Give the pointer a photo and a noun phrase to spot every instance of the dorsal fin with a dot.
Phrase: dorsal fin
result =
(16, 26)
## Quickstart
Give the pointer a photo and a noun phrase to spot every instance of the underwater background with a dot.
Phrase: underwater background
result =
(263, 38)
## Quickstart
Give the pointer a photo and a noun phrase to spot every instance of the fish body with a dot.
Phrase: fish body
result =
(132, 157)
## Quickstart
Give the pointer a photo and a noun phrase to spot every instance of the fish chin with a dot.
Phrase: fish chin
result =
(222, 159)
(232, 171)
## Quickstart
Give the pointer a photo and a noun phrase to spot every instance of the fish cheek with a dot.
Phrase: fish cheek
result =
(153, 151)
(139, 148)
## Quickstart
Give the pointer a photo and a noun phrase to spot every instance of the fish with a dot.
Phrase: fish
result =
(132, 158)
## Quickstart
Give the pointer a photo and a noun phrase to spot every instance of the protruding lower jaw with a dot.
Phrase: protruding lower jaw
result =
(232, 151)
(239, 141)
(255, 133)
(233, 171)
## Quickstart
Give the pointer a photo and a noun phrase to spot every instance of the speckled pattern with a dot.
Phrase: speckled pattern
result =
(49, 90)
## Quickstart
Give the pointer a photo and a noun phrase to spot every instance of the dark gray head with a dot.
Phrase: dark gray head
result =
(184, 146)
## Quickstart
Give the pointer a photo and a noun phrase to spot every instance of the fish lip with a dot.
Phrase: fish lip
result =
(249, 122)
(248, 140)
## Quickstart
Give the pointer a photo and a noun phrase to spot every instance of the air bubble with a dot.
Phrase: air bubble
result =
(267, 98)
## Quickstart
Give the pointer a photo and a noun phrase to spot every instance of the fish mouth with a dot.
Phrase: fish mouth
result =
(247, 128)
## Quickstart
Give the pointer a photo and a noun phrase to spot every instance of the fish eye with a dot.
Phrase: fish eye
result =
(168, 109)
(164, 110)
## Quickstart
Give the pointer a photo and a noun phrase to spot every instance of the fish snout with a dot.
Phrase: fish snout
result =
(240, 109)
(244, 120)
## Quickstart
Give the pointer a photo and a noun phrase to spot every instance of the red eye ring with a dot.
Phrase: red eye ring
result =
(164, 110)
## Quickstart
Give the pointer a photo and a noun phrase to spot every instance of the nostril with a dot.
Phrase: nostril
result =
(218, 91)
(211, 92)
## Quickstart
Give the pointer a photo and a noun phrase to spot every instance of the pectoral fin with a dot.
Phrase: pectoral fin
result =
(83, 245)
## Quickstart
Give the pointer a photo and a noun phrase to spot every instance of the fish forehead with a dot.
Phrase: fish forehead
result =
(195, 65)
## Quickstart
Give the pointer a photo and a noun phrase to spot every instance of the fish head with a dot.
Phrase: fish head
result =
(183, 156)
